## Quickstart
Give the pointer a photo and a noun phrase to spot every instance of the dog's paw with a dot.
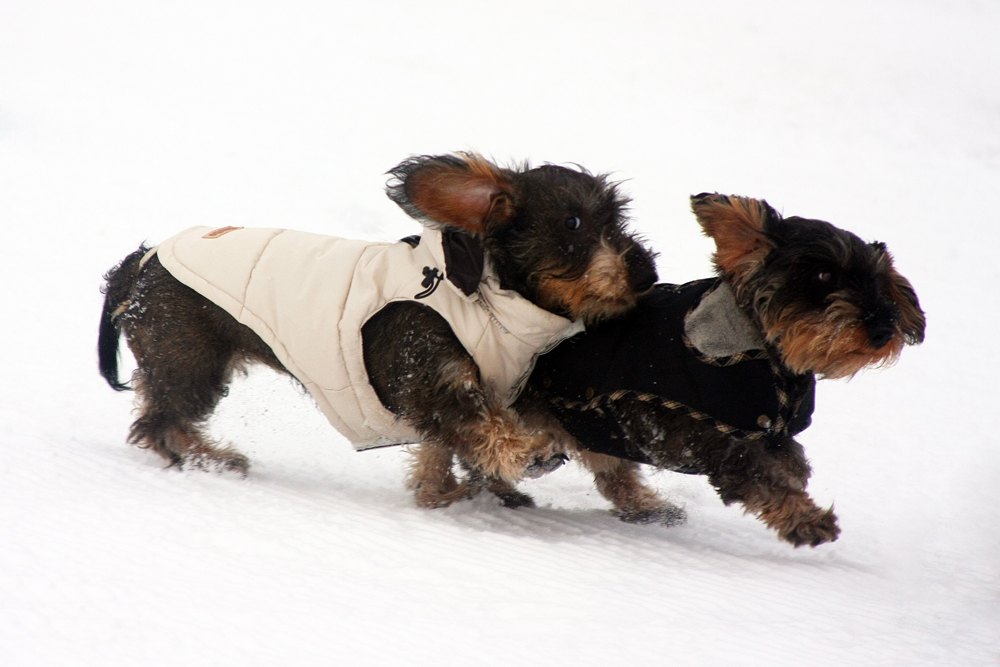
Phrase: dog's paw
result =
(671, 515)
(514, 499)
(226, 460)
(815, 531)
(505, 492)
(237, 463)
(540, 467)
(429, 496)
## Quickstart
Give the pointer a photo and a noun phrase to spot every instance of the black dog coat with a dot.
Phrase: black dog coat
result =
(687, 347)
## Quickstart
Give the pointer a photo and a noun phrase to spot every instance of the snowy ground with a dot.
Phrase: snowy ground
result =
(124, 121)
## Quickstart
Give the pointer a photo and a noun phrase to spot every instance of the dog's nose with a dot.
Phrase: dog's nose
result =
(880, 332)
(641, 270)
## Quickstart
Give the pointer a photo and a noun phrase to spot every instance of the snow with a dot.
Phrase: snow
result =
(129, 121)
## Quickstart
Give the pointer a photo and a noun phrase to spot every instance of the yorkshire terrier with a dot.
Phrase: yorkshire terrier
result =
(427, 340)
(716, 377)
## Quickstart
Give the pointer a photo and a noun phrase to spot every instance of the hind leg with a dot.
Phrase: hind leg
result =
(186, 349)
(173, 403)
(621, 482)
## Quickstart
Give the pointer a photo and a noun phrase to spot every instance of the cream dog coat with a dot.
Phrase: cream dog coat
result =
(308, 295)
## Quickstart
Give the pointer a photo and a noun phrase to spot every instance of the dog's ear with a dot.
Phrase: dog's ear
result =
(463, 190)
(737, 225)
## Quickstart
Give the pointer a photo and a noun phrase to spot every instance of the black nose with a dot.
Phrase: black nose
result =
(641, 269)
(880, 332)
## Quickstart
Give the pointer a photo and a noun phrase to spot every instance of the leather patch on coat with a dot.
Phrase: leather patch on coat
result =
(221, 231)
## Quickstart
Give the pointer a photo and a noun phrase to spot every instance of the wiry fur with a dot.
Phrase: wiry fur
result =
(823, 301)
(588, 273)
(187, 348)
(118, 285)
(621, 482)
(829, 302)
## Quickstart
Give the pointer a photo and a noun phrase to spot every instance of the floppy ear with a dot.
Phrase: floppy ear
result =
(463, 190)
(736, 224)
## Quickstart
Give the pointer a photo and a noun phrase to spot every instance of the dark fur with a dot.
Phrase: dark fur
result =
(825, 303)
(523, 230)
(187, 348)
(118, 283)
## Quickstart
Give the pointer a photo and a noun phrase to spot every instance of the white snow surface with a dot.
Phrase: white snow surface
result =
(128, 121)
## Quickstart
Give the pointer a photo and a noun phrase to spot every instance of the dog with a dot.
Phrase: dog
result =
(717, 376)
(427, 340)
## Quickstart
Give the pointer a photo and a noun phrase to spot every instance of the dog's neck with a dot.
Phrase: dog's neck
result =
(718, 328)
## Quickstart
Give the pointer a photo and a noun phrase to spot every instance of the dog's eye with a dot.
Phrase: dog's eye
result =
(824, 277)
(573, 223)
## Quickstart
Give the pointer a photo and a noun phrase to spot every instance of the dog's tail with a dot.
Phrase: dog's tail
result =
(118, 285)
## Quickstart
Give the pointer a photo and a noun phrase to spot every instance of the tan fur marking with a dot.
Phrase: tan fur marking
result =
(501, 447)
(431, 478)
(621, 482)
(603, 291)
(835, 348)
(458, 375)
(461, 196)
(736, 225)
(796, 518)
(120, 309)
(497, 443)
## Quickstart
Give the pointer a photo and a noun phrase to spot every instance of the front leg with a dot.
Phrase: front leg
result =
(767, 477)
(421, 372)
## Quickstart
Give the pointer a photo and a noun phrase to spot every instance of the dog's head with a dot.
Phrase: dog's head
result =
(829, 302)
(556, 235)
